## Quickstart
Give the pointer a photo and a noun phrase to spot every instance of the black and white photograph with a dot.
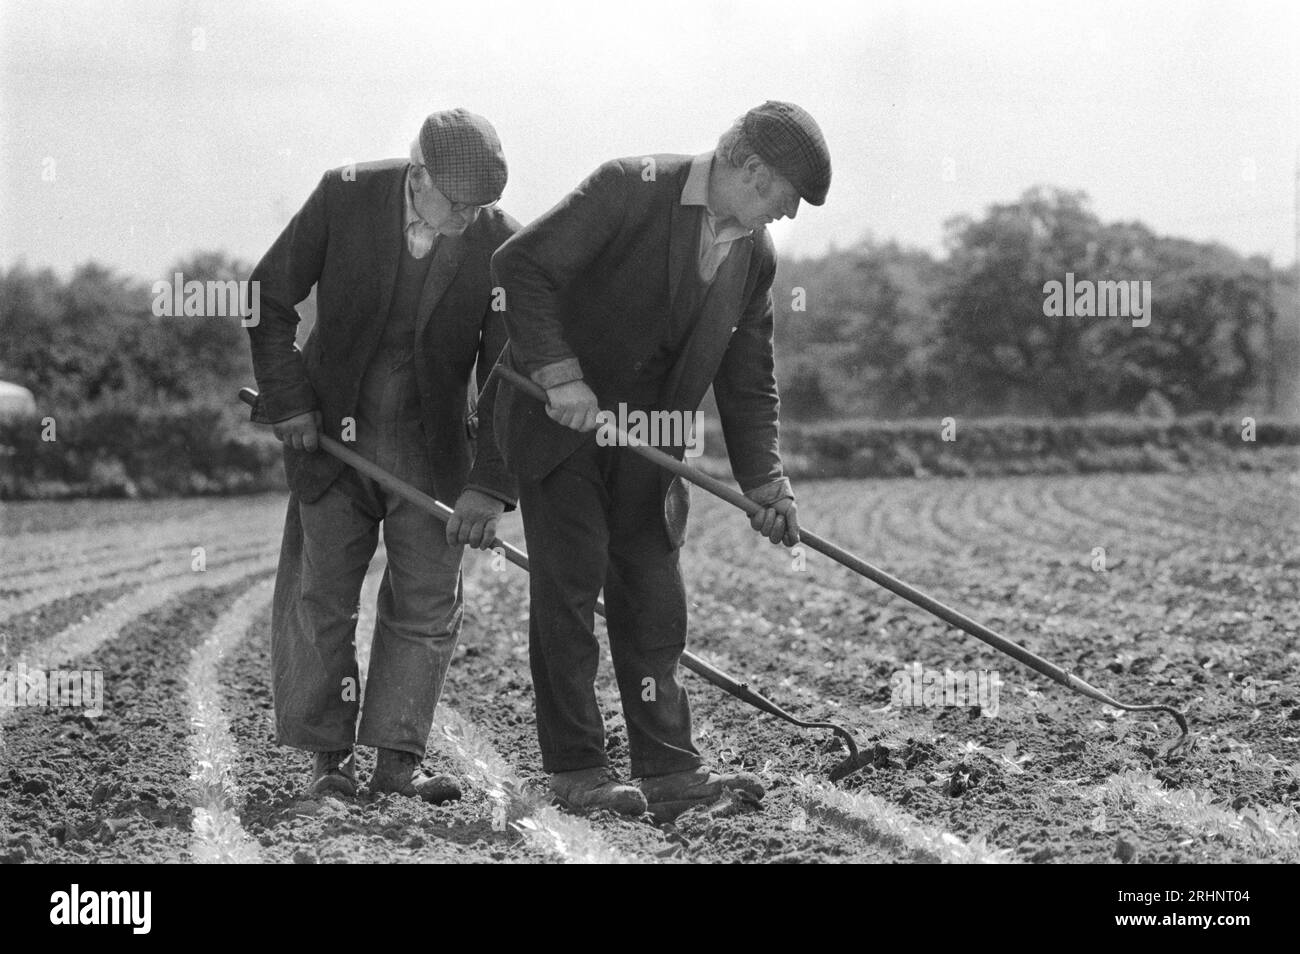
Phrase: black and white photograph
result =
(714, 432)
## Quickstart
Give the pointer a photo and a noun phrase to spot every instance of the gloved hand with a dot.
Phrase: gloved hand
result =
(475, 520)
(779, 522)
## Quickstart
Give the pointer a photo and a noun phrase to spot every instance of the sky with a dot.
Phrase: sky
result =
(133, 134)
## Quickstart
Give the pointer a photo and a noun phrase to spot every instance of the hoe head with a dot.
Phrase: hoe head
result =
(853, 762)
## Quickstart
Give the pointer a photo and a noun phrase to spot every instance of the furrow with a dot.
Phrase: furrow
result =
(218, 836)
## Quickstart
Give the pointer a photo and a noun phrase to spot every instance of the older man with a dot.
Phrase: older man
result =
(399, 252)
(649, 282)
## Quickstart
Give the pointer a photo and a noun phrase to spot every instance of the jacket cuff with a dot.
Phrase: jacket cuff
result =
(279, 404)
(283, 406)
(501, 495)
(769, 493)
(561, 372)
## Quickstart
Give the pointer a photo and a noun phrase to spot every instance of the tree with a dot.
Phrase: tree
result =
(1201, 348)
(867, 328)
(1001, 351)
(95, 339)
(1205, 346)
(211, 352)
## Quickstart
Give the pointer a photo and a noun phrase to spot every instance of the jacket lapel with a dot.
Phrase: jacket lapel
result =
(388, 240)
(448, 253)
(695, 367)
(683, 227)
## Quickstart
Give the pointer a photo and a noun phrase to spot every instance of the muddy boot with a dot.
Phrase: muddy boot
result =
(333, 773)
(670, 795)
(588, 790)
(395, 774)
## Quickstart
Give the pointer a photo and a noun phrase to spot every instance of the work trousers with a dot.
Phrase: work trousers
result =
(324, 558)
(596, 521)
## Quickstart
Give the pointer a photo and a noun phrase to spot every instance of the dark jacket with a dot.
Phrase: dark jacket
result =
(347, 240)
(594, 280)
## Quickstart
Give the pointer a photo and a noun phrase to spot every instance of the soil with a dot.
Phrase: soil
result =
(1193, 604)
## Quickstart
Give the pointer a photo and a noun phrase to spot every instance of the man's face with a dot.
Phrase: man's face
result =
(446, 217)
(765, 196)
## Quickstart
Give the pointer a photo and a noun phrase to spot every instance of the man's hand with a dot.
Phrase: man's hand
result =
(475, 520)
(779, 522)
(573, 405)
(299, 432)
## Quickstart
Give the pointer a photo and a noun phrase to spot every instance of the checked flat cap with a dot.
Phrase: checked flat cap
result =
(463, 155)
(789, 140)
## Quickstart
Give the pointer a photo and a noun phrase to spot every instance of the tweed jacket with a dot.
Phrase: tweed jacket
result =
(347, 241)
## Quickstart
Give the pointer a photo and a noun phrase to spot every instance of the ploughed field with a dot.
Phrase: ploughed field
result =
(1179, 589)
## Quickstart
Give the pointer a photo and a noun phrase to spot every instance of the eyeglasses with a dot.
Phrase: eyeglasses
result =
(456, 207)
(466, 206)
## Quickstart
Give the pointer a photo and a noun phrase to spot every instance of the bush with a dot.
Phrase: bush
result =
(127, 451)
(1001, 446)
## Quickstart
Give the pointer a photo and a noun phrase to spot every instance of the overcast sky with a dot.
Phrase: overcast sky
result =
(172, 127)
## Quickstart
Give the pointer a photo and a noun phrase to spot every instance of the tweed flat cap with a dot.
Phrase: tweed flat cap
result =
(789, 140)
(463, 155)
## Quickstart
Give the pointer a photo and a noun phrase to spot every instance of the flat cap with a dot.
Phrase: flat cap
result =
(789, 140)
(463, 155)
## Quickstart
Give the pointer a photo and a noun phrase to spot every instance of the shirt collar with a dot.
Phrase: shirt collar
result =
(696, 192)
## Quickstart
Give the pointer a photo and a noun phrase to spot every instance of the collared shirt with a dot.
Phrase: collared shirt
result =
(715, 237)
(420, 235)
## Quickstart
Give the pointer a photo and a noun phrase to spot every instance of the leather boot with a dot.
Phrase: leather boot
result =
(395, 773)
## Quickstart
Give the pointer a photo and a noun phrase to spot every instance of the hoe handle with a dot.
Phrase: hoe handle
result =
(822, 545)
(520, 559)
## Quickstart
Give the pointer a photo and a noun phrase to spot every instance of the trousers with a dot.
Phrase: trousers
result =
(595, 521)
(324, 557)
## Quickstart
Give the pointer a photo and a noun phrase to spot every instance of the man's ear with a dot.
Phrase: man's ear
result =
(752, 170)
(763, 178)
